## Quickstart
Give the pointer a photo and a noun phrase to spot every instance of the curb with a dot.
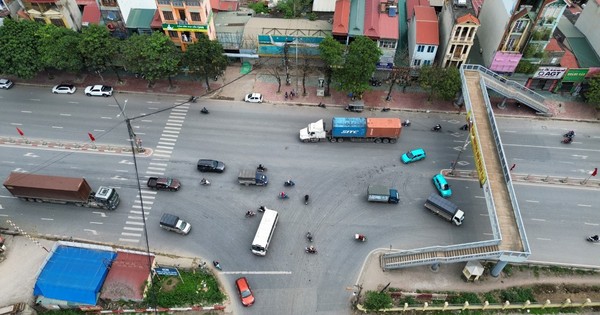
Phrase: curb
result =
(162, 310)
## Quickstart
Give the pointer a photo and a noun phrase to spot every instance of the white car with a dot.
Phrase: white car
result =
(99, 90)
(64, 89)
(6, 84)
(254, 98)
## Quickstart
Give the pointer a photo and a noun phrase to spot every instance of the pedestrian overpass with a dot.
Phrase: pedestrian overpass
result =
(509, 243)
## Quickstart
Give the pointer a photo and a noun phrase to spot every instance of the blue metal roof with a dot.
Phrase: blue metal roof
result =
(74, 274)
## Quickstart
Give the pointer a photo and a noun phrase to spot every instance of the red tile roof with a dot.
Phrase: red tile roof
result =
(341, 17)
(127, 277)
(427, 26)
(410, 7)
(569, 60)
(553, 45)
(468, 18)
(371, 18)
(156, 21)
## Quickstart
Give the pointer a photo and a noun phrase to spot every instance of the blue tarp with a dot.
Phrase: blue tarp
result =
(74, 274)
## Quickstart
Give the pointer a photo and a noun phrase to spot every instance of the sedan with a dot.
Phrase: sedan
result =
(442, 185)
(64, 89)
(99, 90)
(254, 98)
(6, 84)
(205, 165)
(413, 156)
(244, 291)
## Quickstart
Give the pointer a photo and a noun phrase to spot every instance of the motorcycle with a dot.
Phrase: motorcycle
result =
(310, 250)
(322, 105)
(385, 109)
(261, 209)
(261, 168)
(464, 127)
(204, 111)
(250, 214)
(289, 183)
(436, 128)
(569, 134)
(217, 265)
(360, 237)
(204, 182)
(593, 238)
(306, 197)
(283, 196)
(193, 99)
(567, 140)
(309, 236)
(406, 123)
(375, 82)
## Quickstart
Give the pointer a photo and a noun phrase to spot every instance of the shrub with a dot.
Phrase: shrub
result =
(375, 301)
(259, 7)
(517, 295)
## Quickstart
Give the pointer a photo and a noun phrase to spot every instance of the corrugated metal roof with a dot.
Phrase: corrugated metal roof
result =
(357, 18)
(584, 52)
(324, 5)
(259, 26)
(427, 26)
(372, 18)
(341, 17)
(128, 276)
(140, 18)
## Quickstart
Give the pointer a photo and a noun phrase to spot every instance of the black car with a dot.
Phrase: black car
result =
(205, 165)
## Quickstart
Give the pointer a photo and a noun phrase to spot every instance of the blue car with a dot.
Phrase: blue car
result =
(413, 155)
(442, 185)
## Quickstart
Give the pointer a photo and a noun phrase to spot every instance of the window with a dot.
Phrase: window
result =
(173, 34)
(430, 49)
(182, 15)
(168, 15)
(420, 48)
(387, 44)
(57, 22)
(427, 62)
(195, 16)
(417, 62)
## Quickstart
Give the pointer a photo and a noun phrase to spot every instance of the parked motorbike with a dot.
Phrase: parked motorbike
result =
(204, 182)
(385, 109)
(567, 140)
(204, 110)
(283, 196)
(375, 82)
(306, 197)
(593, 238)
(193, 99)
(250, 214)
(289, 182)
(437, 128)
(217, 265)
(261, 168)
(310, 250)
(322, 105)
(309, 236)
(406, 123)
(360, 237)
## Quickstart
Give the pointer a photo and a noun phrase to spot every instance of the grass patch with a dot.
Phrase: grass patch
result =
(192, 289)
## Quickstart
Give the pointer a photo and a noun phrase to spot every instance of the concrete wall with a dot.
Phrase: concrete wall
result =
(494, 18)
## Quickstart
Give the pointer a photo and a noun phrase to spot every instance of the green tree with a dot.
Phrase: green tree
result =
(427, 78)
(58, 49)
(359, 65)
(375, 301)
(153, 55)
(440, 83)
(205, 58)
(293, 8)
(332, 54)
(19, 53)
(593, 93)
(97, 48)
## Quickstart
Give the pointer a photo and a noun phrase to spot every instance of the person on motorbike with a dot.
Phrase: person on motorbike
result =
(261, 208)
(289, 182)
(204, 110)
(250, 213)
(570, 134)
(283, 195)
(261, 167)
(204, 181)
(311, 249)
(595, 238)
(306, 197)
(309, 236)
(361, 237)
(437, 127)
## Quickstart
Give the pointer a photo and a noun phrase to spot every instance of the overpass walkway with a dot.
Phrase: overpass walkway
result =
(510, 241)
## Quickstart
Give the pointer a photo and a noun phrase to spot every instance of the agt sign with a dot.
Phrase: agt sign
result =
(551, 73)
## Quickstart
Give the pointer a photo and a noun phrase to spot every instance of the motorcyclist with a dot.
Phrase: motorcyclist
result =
(204, 110)
(250, 213)
(283, 195)
(311, 249)
(289, 182)
(309, 236)
(437, 127)
(261, 167)
(204, 181)
(570, 134)
(361, 237)
(261, 208)
(306, 197)
(595, 238)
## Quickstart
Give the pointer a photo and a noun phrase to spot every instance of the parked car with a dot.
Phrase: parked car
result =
(442, 185)
(413, 156)
(254, 98)
(244, 291)
(64, 89)
(6, 84)
(206, 165)
(99, 90)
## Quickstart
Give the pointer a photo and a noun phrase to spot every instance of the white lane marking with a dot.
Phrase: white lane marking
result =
(509, 131)
(158, 164)
(126, 162)
(592, 224)
(128, 240)
(136, 206)
(543, 239)
(480, 197)
(171, 136)
(47, 219)
(57, 127)
(134, 217)
(91, 231)
(173, 124)
(541, 220)
(168, 139)
(133, 229)
(162, 155)
(549, 147)
(99, 130)
(134, 223)
(532, 201)
(164, 151)
(156, 168)
(104, 117)
(175, 121)
(256, 272)
(26, 111)
(118, 178)
(102, 214)
(98, 223)
(172, 131)
(146, 120)
(581, 205)
(16, 124)
(583, 157)
(145, 202)
(165, 147)
(73, 102)
(172, 128)
(122, 171)
(66, 115)
(170, 145)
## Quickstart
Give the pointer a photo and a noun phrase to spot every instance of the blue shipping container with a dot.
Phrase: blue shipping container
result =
(349, 127)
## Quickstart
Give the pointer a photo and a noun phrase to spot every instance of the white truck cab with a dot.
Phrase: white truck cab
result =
(314, 132)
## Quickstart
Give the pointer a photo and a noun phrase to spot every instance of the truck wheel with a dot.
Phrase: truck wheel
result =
(78, 205)
(332, 140)
(377, 140)
(305, 140)
(340, 140)
(386, 140)
(392, 140)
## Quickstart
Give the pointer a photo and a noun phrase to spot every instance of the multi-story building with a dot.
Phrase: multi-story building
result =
(458, 26)
(63, 13)
(183, 21)
(423, 37)
(545, 21)
(588, 23)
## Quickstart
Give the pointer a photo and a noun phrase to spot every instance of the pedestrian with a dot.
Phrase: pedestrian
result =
(292, 94)
(286, 96)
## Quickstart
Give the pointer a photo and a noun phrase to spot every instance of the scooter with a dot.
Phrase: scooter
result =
(360, 237)
(406, 123)
(204, 111)
(310, 250)
(569, 134)
(385, 109)
(250, 214)
(437, 128)
(289, 182)
(322, 105)
(261, 168)
(593, 239)
(567, 140)
(217, 265)
(309, 236)
(261, 209)
(306, 197)
(193, 99)
(204, 182)
(464, 127)
(283, 196)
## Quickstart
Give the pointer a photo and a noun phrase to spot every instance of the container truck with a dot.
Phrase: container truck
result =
(380, 193)
(378, 130)
(62, 190)
(173, 223)
(252, 177)
(445, 209)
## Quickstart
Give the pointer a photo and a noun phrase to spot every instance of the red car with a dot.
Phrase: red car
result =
(245, 292)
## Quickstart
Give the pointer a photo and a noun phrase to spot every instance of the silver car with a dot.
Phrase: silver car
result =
(6, 84)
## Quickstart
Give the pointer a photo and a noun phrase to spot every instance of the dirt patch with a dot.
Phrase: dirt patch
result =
(169, 284)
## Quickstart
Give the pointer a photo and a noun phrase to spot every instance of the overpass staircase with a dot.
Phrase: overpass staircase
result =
(439, 254)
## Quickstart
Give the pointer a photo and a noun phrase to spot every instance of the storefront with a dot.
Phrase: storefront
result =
(571, 81)
(546, 78)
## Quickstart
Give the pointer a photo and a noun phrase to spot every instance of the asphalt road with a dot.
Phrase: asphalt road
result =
(335, 175)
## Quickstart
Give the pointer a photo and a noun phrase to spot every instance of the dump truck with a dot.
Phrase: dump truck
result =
(163, 183)
(445, 209)
(62, 190)
(380, 193)
(173, 223)
(357, 129)
(252, 177)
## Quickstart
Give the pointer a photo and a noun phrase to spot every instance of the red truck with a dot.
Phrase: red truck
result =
(62, 190)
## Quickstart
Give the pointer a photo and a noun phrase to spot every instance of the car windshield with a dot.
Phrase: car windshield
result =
(246, 293)
(169, 181)
(445, 187)
(409, 155)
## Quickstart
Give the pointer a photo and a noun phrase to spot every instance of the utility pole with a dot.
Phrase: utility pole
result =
(464, 147)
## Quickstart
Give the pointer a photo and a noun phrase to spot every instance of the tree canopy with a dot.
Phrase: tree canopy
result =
(593, 93)
(332, 54)
(440, 83)
(19, 54)
(97, 48)
(205, 58)
(359, 65)
(153, 55)
(58, 48)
